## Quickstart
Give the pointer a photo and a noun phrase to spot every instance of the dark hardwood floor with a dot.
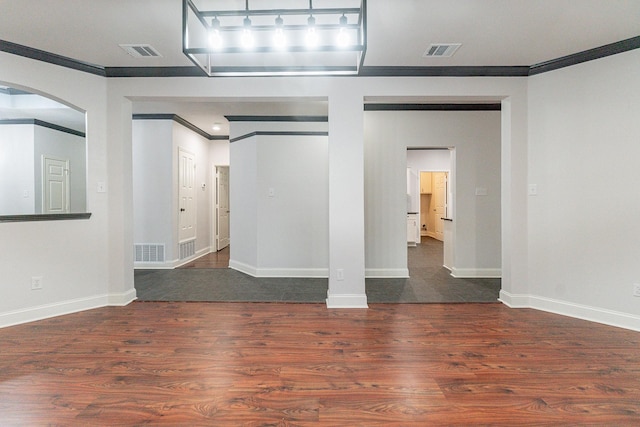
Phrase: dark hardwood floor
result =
(218, 259)
(230, 364)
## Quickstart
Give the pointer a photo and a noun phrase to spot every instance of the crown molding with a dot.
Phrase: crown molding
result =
(37, 122)
(51, 58)
(279, 133)
(365, 71)
(188, 71)
(585, 56)
(277, 118)
(452, 71)
(433, 107)
(176, 118)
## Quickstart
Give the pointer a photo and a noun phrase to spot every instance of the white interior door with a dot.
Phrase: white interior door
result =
(439, 200)
(222, 207)
(186, 195)
(55, 186)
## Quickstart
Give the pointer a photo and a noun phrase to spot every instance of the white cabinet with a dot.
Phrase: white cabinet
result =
(412, 229)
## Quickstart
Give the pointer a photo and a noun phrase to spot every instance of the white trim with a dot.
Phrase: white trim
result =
(198, 254)
(468, 273)
(242, 267)
(47, 311)
(513, 301)
(386, 273)
(578, 311)
(320, 273)
(168, 265)
(347, 301)
(122, 299)
(153, 266)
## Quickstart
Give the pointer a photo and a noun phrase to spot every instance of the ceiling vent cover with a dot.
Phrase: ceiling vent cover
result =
(441, 50)
(140, 50)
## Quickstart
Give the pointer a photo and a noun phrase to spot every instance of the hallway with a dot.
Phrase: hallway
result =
(429, 283)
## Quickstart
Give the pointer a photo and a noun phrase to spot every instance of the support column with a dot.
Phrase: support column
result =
(120, 195)
(515, 287)
(346, 201)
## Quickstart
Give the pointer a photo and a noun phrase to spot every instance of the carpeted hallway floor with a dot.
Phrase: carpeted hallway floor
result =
(429, 282)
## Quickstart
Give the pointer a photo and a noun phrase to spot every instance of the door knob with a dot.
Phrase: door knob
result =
(182, 209)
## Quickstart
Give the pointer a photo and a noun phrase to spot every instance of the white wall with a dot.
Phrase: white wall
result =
(153, 184)
(293, 236)
(17, 170)
(96, 267)
(279, 215)
(199, 146)
(64, 146)
(584, 233)
(427, 160)
(243, 204)
(476, 219)
(72, 257)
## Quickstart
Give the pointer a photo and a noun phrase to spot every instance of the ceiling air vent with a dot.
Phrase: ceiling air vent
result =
(442, 50)
(140, 50)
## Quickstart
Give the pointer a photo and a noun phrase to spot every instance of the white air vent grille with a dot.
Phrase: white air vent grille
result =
(441, 50)
(140, 50)
(149, 252)
(187, 249)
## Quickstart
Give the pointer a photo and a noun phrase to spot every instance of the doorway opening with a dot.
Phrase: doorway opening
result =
(430, 198)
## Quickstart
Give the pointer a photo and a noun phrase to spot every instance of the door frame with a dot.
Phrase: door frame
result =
(214, 206)
(448, 193)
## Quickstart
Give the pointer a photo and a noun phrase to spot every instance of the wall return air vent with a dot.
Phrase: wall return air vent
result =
(441, 50)
(140, 50)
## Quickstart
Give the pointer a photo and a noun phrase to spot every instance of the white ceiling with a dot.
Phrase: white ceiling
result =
(492, 33)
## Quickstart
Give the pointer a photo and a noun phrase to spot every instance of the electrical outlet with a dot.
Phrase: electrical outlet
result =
(340, 274)
(36, 283)
(636, 289)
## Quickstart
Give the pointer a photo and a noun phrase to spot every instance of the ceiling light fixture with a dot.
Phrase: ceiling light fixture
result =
(330, 40)
(216, 127)
(343, 38)
(312, 37)
(279, 39)
(247, 37)
(215, 39)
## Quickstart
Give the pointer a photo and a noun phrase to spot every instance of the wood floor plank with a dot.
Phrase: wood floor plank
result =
(303, 364)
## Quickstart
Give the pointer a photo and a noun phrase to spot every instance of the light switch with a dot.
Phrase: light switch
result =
(25, 194)
(272, 192)
(101, 187)
(480, 191)
(533, 189)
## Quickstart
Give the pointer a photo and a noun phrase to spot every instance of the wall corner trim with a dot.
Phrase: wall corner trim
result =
(386, 273)
(476, 273)
(347, 301)
(570, 309)
(41, 312)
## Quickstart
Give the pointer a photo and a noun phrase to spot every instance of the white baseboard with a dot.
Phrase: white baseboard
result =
(122, 299)
(476, 273)
(347, 301)
(171, 264)
(579, 311)
(242, 267)
(322, 273)
(46, 311)
(202, 252)
(386, 273)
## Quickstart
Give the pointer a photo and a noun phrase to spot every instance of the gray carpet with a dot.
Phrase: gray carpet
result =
(429, 282)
